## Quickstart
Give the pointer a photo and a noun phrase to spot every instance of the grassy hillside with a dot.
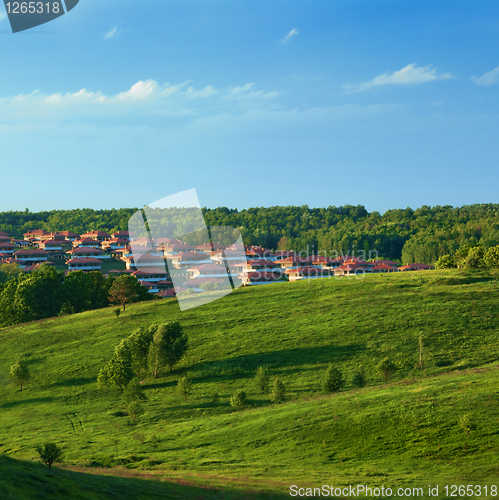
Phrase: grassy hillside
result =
(404, 433)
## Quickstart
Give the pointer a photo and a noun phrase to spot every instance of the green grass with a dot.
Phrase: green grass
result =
(404, 433)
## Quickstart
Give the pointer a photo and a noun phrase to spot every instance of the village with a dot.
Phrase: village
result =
(169, 266)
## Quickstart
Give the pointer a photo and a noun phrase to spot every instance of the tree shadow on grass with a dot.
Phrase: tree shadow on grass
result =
(13, 404)
(73, 382)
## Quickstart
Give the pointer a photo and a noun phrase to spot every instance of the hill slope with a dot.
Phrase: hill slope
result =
(404, 433)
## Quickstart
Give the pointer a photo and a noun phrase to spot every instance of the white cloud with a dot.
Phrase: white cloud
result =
(3, 15)
(111, 33)
(489, 78)
(146, 97)
(140, 90)
(290, 35)
(411, 74)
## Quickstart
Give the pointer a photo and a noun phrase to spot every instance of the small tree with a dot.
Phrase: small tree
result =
(19, 373)
(140, 342)
(133, 392)
(118, 370)
(50, 454)
(278, 391)
(134, 410)
(262, 380)
(184, 386)
(386, 368)
(168, 347)
(333, 380)
(238, 400)
(491, 257)
(117, 312)
(359, 377)
(123, 290)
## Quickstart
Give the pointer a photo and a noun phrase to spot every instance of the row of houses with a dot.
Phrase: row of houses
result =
(189, 267)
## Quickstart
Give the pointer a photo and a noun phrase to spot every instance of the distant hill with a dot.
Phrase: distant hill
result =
(408, 432)
(405, 235)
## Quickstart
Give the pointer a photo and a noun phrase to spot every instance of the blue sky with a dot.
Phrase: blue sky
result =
(119, 103)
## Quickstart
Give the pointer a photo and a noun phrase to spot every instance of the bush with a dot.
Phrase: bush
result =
(50, 454)
(133, 392)
(464, 423)
(117, 312)
(386, 368)
(333, 380)
(134, 410)
(359, 378)
(262, 380)
(278, 391)
(184, 386)
(238, 400)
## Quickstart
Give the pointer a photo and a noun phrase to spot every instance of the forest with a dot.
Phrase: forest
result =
(405, 235)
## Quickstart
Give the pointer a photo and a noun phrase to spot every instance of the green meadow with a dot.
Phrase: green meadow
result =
(407, 432)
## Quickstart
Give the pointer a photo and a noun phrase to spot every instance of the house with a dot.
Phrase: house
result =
(86, 242)
(296, 261)
(51, 245)
(415, 267)
(7, 248)
(306, 272)
(349, 269)
(282, 254)
(84, 264)
(228, 256)
(258, 265)
(97, 235)
(96, 253)
(31, 256)
(114, 243)
(208, 271)
(255, 252)
(36, 234)
(326, 262)
(153, 274)
(69, 236)
(261, 278)
(386, 262)
(123, 235)
(7, 235)
(383, 268)
(176, 248)
(144, 261)
(22, 243)
(186, 259)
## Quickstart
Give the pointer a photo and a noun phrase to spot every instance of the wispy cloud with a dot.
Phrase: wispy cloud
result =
(3, 15)
(411, 74)
(489, 78)
(290, 35)
(146, 97)
(110, 34)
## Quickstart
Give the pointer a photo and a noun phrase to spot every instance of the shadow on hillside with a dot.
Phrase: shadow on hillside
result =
(26, 480)
(72, 382)
(13, 404)
(247, 364)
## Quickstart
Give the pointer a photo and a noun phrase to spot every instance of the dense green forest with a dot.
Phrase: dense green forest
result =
(406, 235)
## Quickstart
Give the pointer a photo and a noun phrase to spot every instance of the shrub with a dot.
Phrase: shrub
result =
(238, 400)
(133, 392)
(278, 391)
(333, 380)
(184, 386)
(215, 398)
(117, 312)
(134, 410)
(464, 423)
(50, 454)
(262, 380)
(386, 368)
(359, 377)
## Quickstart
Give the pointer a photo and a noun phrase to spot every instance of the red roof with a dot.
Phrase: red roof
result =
(151, 271)
(87, 240)
(4, 234)
(382, 267)
(76, 251)
(84, 260)
(387, 262)
(6, 245)
(51, 242)
(210, 267)
(262, 274)
(416, 267)
(261, 262)
(31, 252)
(69, 234)
(95, 233)
(305, 270)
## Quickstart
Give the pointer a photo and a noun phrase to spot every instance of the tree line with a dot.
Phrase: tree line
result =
(46, 293)
(406, 235)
